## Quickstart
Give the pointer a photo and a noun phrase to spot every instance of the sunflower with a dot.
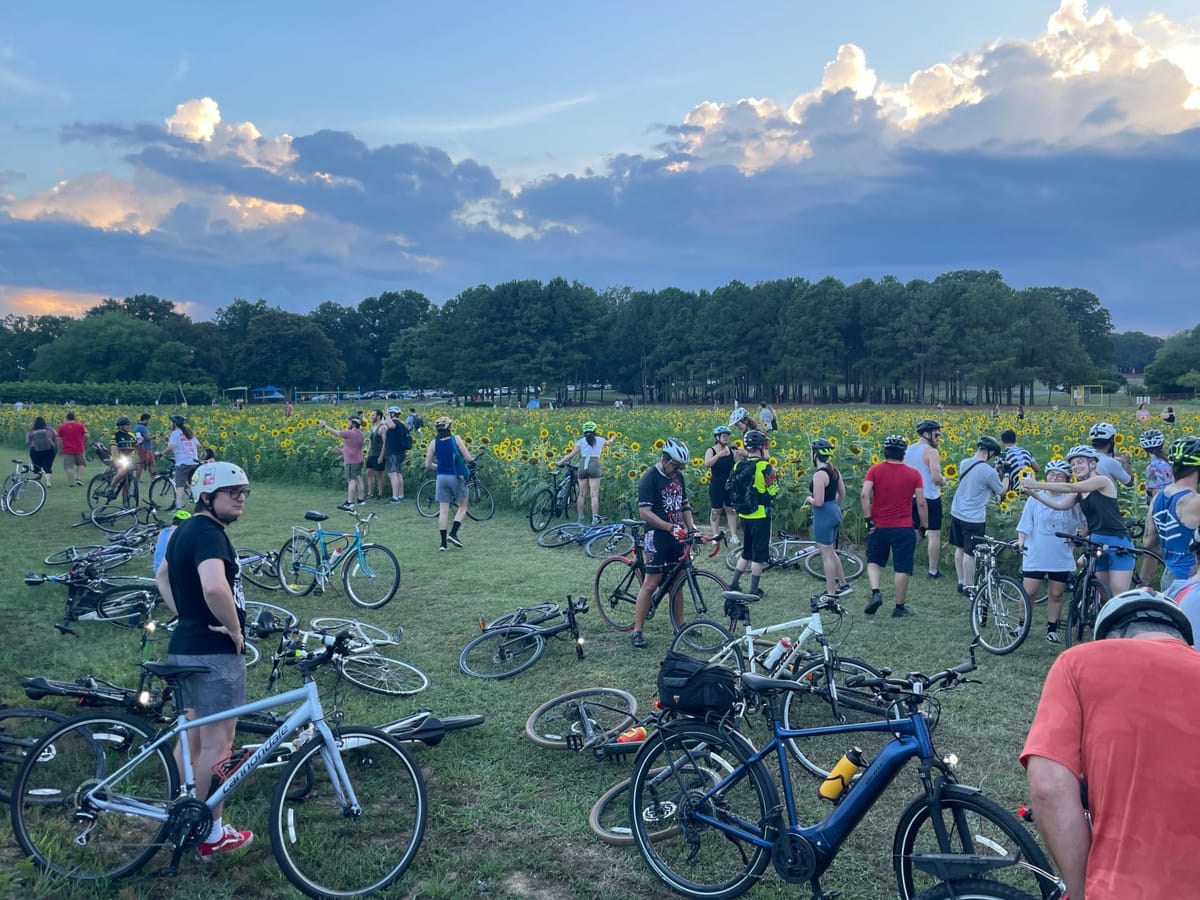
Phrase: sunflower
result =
(635, 447)
(950, 471)
(1119, 439)
(544, 433)
(1003, 506)
(1010, 496)
(856, 450)
(864, 427)
(659, 444)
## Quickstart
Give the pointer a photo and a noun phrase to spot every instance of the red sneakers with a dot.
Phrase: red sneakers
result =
(230, 839)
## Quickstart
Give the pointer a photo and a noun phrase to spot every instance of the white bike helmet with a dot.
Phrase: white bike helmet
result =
(213, 476)
(1059, 465)
(1102, 431)
(676, 451)
(1152, 439)
(1141, 605)
(1082, 450)
(393, 410)
(738, 415)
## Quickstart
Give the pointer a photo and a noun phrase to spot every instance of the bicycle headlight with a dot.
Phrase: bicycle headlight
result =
(122, 462)
(950, 760)
(143, 698)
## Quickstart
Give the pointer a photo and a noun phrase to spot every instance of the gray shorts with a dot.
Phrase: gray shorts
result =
(451, 489)
(222, 688)
(394, 461)
(183, 474)
(353, 470)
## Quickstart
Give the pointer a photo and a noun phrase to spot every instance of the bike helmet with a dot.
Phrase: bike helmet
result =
(1141, 604)
(894, 446)
(443, 423)
(676, 451)
(123, 420)
(178, 420)
(1152, 439)
(1184, 451)
(927, 425)
(754, 440)
(822, 448)
(1102, 431)
(990, 444)
(721, 429)
(1059, 465)
(181, 515)
(589, 426)
(213, 476)
(393, 410)
(738, 415)
(1082, 450)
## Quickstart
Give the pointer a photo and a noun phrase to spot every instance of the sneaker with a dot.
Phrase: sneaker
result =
(901, 612)
(442, 548)
(639, 640)
(873, 604)
(937, 574)
(1053, 638)
(230, 839)
(733, 540)
(396, 500)
(843, 590)
(362, 501)
(962, 588)
(596, 520)
(348, 507)
(79, 484)
(453, 538)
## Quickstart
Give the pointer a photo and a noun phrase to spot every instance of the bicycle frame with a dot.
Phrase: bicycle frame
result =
(329, 562)
(812, 627)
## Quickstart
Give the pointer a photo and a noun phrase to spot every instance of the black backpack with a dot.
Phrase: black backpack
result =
(742, 495)
(695, 688)
(404, 435)
(418, 422)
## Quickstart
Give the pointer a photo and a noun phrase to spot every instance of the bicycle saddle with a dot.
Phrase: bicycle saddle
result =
(313, 516)
(740, 597)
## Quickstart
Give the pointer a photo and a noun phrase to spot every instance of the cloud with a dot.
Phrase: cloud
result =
(31, 301)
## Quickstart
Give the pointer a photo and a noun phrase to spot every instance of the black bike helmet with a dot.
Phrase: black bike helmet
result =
(990, 444)
(123, 420)
(822, 449)
(894, 446)
(1141, 605)
(178, 420)
(1184, 451)
(754, 440)
(927, 425)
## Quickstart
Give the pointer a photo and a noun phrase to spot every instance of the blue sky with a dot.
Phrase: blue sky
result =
(306, 152)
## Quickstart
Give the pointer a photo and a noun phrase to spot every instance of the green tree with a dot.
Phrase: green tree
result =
(1133, 350)
(288, 349)
(1176, 365)
(110, 346)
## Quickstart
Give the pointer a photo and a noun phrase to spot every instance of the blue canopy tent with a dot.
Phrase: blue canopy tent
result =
(265, 394)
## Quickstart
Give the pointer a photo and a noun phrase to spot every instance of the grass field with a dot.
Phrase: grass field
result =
(509, 819)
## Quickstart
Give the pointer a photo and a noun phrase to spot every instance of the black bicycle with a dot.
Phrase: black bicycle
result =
(481, 505)
(116, 485)
(557, 500)
(1088, 592)
(516, 640)
(94, 595)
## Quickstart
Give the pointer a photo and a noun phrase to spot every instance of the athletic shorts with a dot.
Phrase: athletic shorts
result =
(934, 505)
(1060, 577)
(1110, 561)
(183, 474)
(826, 523)
(353, 470)
(898, 542)
(661, 550)
(373, 464)
(966, 535)
(590, 468)
(394, 461)
(146, 458)
(450, 489)
(222, 687)
(756, 539)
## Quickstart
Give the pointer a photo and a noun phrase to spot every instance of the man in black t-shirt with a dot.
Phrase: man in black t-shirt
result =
(200, 582)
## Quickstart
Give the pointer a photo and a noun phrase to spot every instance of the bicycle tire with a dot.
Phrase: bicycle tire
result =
(481, 505)
(371, 576)
(124, 607)
(25, 497)
(695, 591)
(710, 642)
(299, 561)
(1081, 617)
(161, 492)
(322, 849)
(20, 730)
(260, 569)
(616, 543)
(373, 634)
(974, 889)
(977, 825)
(255, 608)
(524, 614)
(667, 787)
(807, 709)
(70, 756)
(114, 519)
(427, 504)
(381, 674)
(252, 654)
(68, 555)
(560, 535)
(541, 510)
(852, 565)
(1001, 614)
(607, 712)
(98, 491)
(615, 589)
(502, 652)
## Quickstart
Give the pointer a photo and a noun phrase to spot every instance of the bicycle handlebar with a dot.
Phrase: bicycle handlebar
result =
(915, 684)
(1098, 546)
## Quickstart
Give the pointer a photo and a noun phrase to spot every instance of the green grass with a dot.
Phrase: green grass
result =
(508, 819)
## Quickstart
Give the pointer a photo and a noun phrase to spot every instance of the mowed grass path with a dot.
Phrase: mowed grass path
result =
(508, 819)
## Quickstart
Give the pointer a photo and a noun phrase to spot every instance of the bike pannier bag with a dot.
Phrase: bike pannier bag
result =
(696, 688)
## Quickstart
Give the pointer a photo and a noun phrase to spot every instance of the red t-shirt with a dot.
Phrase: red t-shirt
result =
(72, 434)
(894, 485)
(1122, 713)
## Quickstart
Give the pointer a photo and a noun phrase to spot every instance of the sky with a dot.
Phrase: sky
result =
(305, 152)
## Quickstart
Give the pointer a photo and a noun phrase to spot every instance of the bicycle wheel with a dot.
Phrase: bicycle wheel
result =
(123, 607)
(161, 492)
(330, 849)
(671, 788)
(382, 675)
(595, 715)
(706, 586)
(1001, 615)
(299, 562)
(1081, 618)
(25, 498)
(615, 591)
(20, 730)
(975, 825)
(371, 576)
(427, 505)
(709, 642)
(68, 555)
(541, 509)
(524, 614)
(502, 652)
(616, 543)
(255, 608)
(481, 505)
(851, 565)
(260, 569)
(113, 518)
(47, 798)
(99, 491)
(361, 631)
(732, 557)
(814, 707)
(560, 535)
(974, 889)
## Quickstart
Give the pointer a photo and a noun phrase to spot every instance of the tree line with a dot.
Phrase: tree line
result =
(966, 336)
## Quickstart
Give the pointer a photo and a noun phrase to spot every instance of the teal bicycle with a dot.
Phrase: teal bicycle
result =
(370, 573)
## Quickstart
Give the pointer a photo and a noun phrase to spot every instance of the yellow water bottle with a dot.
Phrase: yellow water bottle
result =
(840, 776)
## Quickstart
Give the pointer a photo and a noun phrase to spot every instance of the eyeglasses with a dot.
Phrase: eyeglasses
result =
(236, 493)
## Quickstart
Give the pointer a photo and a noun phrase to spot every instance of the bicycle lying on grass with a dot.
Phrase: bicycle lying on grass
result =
(791, 552)
(308, 560)
(93, 595)
(515, 641)
(600, 540)
(711, 834)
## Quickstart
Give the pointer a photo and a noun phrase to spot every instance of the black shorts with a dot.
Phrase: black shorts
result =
(756, 539)
(966, 534)
(718, 494)
(373, 464)
(934, 505)
(661, 550)
(897, 542)
(1060, 577)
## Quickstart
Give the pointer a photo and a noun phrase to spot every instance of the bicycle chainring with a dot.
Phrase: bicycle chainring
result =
(793, 858)
(188, 823)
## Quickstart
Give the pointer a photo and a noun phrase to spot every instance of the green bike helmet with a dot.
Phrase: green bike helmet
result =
(589, 427)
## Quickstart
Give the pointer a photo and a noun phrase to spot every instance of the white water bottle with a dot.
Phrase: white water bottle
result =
(777, 653)
(337, 552)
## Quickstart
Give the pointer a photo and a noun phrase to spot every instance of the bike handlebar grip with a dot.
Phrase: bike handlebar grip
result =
(34, 578)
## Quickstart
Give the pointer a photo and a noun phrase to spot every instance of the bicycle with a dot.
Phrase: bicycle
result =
(712, 835)
(1088, 592)
(308, 560)
(557, 500)
(824, 674)
(260, 569)
(118, 796)
(1001, 611)
(481, 505)
(619, 578)
(119, 550)
(116, 485)
(23, 493)
(514, 642)
(790, 552)
(20, 730)
(92, 595)
(113, 518)
(365, 668)
(599, 540)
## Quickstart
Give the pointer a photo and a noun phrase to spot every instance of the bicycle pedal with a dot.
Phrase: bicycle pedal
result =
(575, 742)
